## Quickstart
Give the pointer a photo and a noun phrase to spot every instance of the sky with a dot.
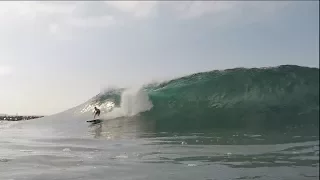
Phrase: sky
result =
(57, 55)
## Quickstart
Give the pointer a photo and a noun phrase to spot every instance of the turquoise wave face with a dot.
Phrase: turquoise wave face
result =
(264, 98)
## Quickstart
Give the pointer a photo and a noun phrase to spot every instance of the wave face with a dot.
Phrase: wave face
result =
(264, 98)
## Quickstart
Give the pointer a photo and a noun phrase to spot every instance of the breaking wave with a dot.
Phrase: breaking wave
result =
(234, 98)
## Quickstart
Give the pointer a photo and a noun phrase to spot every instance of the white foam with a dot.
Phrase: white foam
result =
(133, 102)
(7, 124)
(66, 149)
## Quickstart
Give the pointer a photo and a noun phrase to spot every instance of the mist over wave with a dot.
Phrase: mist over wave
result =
(133, 102)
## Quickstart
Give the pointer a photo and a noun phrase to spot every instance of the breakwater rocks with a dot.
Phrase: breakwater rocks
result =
(18, 118)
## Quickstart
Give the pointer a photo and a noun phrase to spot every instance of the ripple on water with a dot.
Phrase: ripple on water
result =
(122, 157)
(4, 160)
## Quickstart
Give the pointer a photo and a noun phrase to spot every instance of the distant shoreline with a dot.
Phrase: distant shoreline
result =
(18, 118)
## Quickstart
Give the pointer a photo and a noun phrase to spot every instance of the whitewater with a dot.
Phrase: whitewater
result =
(241, 123)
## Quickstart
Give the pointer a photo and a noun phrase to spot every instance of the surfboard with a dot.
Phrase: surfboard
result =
(94, 120)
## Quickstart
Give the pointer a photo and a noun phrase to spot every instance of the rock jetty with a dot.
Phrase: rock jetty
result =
(18, 118)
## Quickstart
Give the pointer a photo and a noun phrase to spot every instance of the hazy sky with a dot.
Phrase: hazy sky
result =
(56, 55)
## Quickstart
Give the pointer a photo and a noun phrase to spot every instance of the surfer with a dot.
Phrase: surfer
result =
(96, 112)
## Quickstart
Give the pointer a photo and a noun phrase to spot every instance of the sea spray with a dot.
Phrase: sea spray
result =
(133, 102)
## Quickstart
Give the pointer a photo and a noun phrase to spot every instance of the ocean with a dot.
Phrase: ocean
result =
(232, 124)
